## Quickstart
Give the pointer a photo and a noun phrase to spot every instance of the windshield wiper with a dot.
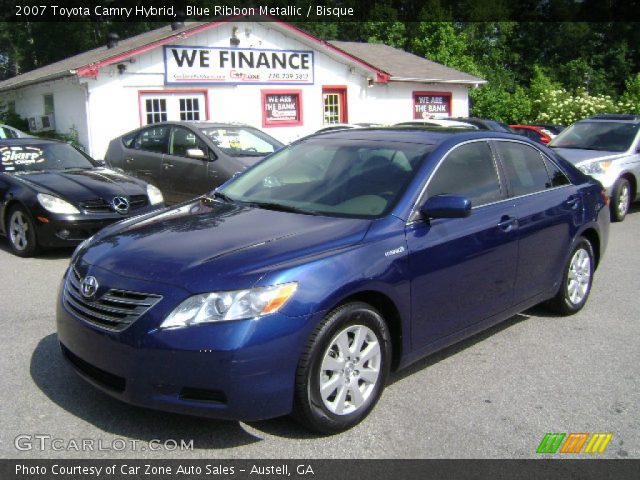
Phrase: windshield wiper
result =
(222, 196)
(281, 208)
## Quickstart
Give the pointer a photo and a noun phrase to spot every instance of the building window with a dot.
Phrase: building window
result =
(281, 108)
(431, 105)
(189, 109)
(172, 105)
(48, 104)
(156, 109)
(334, 102)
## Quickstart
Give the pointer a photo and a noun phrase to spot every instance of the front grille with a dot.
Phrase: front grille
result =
(115, 310)
(99, 205)
(106, 379)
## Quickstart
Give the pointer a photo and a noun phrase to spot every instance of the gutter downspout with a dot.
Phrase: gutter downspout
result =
(87, 112)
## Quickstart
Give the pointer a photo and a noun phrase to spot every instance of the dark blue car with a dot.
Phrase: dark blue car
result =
(297, 286)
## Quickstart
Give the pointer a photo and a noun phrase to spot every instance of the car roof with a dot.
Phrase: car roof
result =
(615, 117)
(413, 134)
(202, 124)
(28, 140)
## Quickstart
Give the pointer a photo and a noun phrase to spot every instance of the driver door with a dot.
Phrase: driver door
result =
(184, 175)
(462, 269)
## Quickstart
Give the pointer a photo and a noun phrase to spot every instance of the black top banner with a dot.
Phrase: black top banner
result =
(323, 11)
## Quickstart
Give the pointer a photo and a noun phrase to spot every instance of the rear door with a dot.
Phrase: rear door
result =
(547, 208)
(462, 269)
(183, 176)
(143, 157)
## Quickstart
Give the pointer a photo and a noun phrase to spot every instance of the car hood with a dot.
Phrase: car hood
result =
(207, 245)
(577, 156)
(247, 162)
(79, 185)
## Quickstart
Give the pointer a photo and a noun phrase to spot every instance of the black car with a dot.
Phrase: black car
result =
(53, 195)
(187, 159)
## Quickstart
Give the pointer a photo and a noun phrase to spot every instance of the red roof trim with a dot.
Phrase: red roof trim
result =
(93, 69)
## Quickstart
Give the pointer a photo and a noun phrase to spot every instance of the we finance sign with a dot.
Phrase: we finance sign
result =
(251, 66)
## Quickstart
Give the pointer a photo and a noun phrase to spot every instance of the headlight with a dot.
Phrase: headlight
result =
(595, 167)
(55, 204)
(154, 194)
(236, 305)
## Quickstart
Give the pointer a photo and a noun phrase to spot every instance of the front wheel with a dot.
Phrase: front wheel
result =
(620, 199)
(21, 233)
(343, 369)
(577, 280)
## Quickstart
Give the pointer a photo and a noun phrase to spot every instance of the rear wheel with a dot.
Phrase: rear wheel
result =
(620, 199)
(21, 233)
(343, 369)
(577, 280)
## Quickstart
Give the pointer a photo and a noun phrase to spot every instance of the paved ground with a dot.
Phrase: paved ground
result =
(495, 395)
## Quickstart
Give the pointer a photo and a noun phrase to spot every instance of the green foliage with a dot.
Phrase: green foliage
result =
(70, 137)
(11, 118)
(630, 99)
(499, 104)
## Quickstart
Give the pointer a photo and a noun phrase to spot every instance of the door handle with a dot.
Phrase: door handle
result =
(129, 159)
(572, 201)
(167, 166)
(508, 223)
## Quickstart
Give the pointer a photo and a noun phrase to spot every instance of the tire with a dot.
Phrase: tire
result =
(576, 281)
(21, 233)
(332, 357)
(620, 199)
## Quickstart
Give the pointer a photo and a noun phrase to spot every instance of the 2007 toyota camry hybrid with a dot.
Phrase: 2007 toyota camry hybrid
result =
(299, 285)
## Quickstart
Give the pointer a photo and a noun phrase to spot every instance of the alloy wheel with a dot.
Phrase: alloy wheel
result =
(350, 370)
(579, 277)
(623, 200)
(19, 230)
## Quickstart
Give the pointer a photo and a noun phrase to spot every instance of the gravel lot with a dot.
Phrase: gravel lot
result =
(492, 396)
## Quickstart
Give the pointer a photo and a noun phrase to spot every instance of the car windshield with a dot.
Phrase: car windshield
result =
(604, 136)
(30, 157)
(242, 141)
(346, 178)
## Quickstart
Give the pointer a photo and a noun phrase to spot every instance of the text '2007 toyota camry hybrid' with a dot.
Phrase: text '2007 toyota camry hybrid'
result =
(297, 286)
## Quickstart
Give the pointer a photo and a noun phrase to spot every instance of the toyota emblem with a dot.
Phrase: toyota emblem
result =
(89, 287)
(120, 204)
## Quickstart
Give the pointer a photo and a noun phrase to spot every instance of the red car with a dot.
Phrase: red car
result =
(534, 132)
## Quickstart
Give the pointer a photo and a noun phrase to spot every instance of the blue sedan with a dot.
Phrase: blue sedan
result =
(299, 285)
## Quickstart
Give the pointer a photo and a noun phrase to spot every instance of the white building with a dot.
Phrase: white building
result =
(270, 75)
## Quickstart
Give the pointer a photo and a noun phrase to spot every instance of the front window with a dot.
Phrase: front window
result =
(242, 141)
(601, 136)
(42, 157)
(336, 178)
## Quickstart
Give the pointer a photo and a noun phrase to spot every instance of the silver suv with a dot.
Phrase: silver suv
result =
(607, 147)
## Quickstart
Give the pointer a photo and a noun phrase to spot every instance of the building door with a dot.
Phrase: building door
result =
(334, 101)
(161, 106)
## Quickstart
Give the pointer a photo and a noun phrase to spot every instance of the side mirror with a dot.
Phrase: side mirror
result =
(446, 206)
(196, 153)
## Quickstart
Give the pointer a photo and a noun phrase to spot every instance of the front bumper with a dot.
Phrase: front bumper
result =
(70, 230)
(240, 370)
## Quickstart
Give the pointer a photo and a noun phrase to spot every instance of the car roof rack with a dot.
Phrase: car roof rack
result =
(616, 116)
